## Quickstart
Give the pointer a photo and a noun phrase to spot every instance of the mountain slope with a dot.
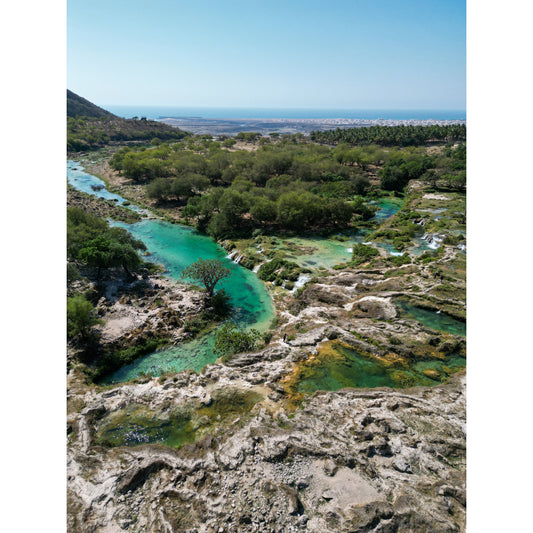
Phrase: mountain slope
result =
(90, 127)
(80, 107)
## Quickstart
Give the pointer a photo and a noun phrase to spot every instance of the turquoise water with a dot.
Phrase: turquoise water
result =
(82, 181)
(432, 319)
(330, 252)
(176, 247)
(387, 208)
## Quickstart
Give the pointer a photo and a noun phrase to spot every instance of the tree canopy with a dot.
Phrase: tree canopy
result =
(91, 241)
(207, 271)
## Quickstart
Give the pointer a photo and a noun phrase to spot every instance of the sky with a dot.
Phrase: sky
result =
(340, 54)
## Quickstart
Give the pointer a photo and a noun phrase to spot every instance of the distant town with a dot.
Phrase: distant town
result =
(219, 126)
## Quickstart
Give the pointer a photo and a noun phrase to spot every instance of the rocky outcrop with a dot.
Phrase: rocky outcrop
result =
(353, 460)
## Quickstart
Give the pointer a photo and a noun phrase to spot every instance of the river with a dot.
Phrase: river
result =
(176, 246)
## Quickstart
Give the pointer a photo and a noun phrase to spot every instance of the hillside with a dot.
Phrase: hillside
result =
(80, 107)
(89, 127)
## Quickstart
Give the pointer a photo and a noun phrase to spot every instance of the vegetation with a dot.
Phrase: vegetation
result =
(285, 184)
(209, 272)
(230, 194)
(393, 135)
(289, 184)
(92, 242)
(92, 133)
(231, 340)
(279, 271)
(111, 360)
(81, 318)
(362, 253)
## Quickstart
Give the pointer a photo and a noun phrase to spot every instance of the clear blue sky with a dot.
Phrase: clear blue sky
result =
(358, 54)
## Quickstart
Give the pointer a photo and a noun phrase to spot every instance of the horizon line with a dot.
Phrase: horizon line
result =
(295, 107)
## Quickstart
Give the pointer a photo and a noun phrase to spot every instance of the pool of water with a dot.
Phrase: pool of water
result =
(137, 424)
(432, 319)
(176, 247)
(336, 366)
(387, 208)
(329, 252)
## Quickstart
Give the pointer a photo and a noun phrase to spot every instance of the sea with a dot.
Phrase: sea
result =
(159, 112)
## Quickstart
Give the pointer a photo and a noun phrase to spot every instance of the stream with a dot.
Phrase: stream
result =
(176, 246)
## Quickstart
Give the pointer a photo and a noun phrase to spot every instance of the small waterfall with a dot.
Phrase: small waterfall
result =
(231, 255)
(257, 267)
(235, 256)
(434, 240)
(300, 282)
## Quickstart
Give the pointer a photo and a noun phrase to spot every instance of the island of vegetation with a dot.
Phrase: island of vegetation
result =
(346, 411)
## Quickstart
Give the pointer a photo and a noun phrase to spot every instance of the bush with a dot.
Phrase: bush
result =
(195, 324)
(231, 340)
(81, 317)
(363, 252)
(399, 260)
(111, 361)
(73, 273)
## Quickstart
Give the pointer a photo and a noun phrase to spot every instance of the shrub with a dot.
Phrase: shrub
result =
(81, 317)
(73, 273)
(231, 340)
(399, 260)
(363, 252)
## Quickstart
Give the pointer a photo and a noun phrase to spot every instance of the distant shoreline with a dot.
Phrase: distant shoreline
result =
(266, 126)
(259, 113)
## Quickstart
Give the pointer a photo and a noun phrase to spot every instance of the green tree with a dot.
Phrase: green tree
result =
(114, 248)
(80, 317)
(158, 189)
(233, 205)
(264, 210)
(207, 271)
